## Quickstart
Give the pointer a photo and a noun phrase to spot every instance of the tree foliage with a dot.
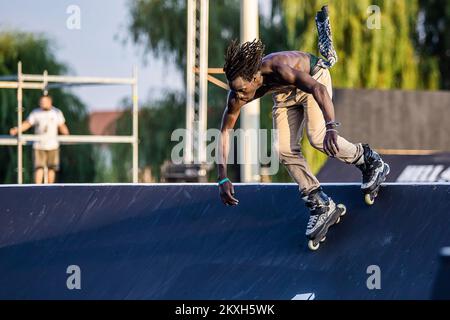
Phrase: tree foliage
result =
(156, 123)
(433, 40)
(381, 58)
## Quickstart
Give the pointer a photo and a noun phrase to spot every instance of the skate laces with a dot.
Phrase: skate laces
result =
(326, 48)
(369, 167)
(324, 37)
(365, 170)
(312, 221)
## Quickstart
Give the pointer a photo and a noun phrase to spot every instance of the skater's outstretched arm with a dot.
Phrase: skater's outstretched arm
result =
(229, 118)
(308, 84)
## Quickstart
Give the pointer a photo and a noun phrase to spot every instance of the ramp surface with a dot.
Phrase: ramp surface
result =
(180, 242)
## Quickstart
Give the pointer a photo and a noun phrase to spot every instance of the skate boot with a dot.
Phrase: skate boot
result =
(374, 171)
(323, 214)
(326, 47)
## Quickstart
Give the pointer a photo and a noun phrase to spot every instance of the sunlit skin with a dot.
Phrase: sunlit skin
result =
(280, 70)
(45, 103)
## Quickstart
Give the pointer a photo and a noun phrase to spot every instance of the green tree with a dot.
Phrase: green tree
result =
(37, 54)
(156, 123)
(433, 40)
(381, 58)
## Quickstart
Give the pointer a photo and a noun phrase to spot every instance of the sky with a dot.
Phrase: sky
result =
(95, 49)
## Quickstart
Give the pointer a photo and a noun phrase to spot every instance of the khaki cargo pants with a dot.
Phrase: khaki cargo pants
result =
(292, 111)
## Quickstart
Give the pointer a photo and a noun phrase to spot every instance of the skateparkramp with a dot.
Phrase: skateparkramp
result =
(178, 241)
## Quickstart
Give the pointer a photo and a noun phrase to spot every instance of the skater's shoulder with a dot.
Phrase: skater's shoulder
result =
(281, 59)
(285, 55)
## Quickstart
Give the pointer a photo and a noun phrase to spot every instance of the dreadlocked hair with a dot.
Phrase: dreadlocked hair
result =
(243, 60)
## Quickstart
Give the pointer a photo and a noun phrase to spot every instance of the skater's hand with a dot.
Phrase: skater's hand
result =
(226, 191)
(330, 145)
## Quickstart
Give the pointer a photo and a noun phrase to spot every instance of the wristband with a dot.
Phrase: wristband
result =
(221, 182)
(333, 123)
(328, 130)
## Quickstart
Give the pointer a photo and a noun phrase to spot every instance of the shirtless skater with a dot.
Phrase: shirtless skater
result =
(302, 91)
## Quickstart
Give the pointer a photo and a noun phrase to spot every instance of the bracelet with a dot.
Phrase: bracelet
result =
(333, 123)
(221, 182)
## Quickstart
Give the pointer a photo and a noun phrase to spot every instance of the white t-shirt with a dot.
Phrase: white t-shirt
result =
(46, 123)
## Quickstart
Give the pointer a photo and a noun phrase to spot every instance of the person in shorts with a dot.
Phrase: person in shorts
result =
(48, 121)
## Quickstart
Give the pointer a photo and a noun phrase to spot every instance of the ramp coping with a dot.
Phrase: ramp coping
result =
(214, 184)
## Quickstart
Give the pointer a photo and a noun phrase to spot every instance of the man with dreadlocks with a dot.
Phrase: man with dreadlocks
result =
(301, 87)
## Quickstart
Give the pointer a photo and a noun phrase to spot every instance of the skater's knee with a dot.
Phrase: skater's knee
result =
(286, 152)
(316, 141)
(286, 157)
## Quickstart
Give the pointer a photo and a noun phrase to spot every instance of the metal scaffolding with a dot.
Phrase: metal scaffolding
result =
(249, 148)
(197, 77)
(196, 83)
(44, 82)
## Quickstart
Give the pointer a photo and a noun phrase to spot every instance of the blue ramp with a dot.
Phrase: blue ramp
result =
(178, 241)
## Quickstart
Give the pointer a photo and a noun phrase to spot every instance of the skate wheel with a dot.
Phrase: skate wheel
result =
(343, 208)
(338, 220)
(323, 240)
(369, 200)
(313, 246)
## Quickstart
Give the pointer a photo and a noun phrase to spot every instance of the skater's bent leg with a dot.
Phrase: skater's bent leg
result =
(347, 152)
(289, 124)
(299, 171)
(316, 129)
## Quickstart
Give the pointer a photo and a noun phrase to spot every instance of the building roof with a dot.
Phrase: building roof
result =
(103, 122)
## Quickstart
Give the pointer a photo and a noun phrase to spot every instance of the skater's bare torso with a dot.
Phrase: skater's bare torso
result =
(297, 60)
(278, 73)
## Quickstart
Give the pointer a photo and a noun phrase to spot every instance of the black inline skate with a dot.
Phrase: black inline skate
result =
(323, 214)
(374, 171)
